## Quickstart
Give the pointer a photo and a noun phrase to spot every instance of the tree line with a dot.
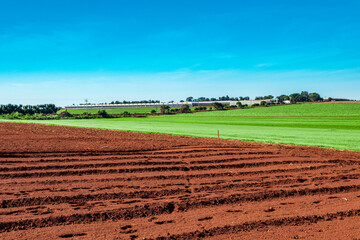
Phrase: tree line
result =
(304, 96)
(29, 109)
(223, 98)
(142, 101)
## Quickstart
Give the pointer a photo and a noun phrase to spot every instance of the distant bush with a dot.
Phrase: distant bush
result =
(175, 110)
(185, 109)
(255, 105)
(103, 114)
(126, 114)
(231, 107)
(218, 106)
(65, 114)
(36, 116)
(200, 108)
(164, 109)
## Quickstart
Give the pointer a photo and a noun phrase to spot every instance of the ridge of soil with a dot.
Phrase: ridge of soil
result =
(65, 182)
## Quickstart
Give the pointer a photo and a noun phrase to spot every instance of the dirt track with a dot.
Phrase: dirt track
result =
(59, 182)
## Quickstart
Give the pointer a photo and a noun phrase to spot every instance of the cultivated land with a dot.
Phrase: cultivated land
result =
(60, 182)
(327, 125)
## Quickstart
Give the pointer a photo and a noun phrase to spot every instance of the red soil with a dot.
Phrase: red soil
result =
(61, 182)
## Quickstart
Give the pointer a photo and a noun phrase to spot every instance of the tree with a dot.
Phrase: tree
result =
(264, 97)
(164, 109)
(283, 98)
(103, 114)
(185, 108)
(295, 97)
(238, 104)
(218, 106)
(304, 96)
(189, 99)
(314, 97)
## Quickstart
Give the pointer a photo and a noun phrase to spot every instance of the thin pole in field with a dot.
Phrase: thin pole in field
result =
(86, 102)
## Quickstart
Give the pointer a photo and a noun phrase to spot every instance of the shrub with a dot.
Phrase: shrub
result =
(65, 114)
(200, 108)
(164, 109)
(173, 110)
(185, 109)
(218, 106)
(103, 114)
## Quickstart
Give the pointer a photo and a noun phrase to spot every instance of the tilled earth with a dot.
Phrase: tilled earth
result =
(62, 182)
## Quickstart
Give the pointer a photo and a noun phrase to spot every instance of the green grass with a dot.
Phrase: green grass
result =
(342, 130)
(329, 109)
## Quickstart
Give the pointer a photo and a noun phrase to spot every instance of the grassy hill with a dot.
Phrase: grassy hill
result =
(317, 109)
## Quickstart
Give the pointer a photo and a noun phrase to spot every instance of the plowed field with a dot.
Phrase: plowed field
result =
(63, 182)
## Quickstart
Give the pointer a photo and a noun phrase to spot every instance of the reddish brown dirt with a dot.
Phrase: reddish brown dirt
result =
(62, 182)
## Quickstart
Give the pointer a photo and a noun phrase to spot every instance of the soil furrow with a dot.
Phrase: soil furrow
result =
(51, 200)
(184, 205)
(160, 177)
(255, 225)
(165, 208)
(144, 156)
(148, 162)
(155, 169)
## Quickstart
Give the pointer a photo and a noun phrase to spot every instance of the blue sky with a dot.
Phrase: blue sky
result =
(65, 51)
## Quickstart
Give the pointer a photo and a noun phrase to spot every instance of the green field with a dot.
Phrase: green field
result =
(325, 125)
(329, 109)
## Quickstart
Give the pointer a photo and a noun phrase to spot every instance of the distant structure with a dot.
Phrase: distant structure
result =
(287, 101)
(171, 104)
